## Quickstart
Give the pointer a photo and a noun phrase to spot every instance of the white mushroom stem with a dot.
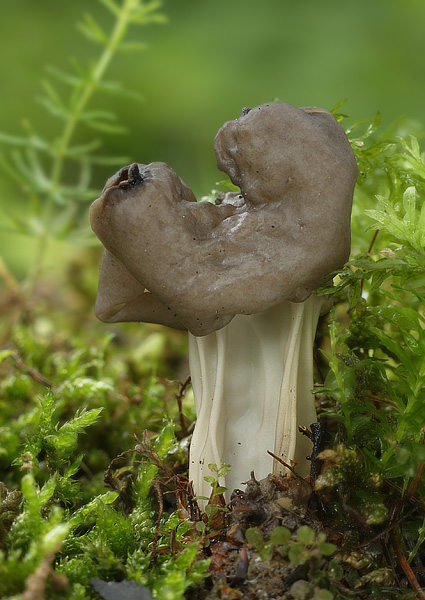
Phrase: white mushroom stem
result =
(252, 383)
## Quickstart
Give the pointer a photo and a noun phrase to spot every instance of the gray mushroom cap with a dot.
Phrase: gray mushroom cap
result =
(194, 265)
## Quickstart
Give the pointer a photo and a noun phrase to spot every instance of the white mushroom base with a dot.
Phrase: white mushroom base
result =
(252, 384)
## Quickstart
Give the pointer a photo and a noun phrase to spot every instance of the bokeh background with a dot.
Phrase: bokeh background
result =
(211, 59)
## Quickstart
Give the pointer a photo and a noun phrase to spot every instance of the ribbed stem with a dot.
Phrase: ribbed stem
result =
(252, 383)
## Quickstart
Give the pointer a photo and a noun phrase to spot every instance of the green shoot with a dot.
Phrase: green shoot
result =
(40, 166)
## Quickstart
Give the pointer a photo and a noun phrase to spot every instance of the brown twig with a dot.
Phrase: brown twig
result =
(411, 577)
(413, 484)
(375, 235)
(415, 499)
(38, 377)
(282, 462)
(157, 487)
(180, 397)
(392, 523)
(30, 371)
(35, 584)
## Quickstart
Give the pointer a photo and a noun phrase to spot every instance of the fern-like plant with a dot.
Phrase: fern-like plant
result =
(40, 166)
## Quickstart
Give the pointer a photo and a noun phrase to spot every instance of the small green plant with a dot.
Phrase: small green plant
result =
(279, 540)
(42, 167)
(307, 548)
(215, 504)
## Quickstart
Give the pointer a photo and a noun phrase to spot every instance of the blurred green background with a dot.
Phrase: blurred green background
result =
(209, 61)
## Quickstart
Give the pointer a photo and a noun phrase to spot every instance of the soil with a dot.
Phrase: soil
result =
(238, 571)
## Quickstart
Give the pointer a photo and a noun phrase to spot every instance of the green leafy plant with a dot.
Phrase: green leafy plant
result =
(308, 547)
(215, 505)
(376, 364)
(374, 387)
(279, 541)
(55, 175)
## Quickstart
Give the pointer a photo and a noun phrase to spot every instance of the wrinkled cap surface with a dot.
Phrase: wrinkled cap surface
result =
(194, 265)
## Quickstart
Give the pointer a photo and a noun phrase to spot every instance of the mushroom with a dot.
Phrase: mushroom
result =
(238, 274)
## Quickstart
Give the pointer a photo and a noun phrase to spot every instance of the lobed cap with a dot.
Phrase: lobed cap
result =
(195, 265)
